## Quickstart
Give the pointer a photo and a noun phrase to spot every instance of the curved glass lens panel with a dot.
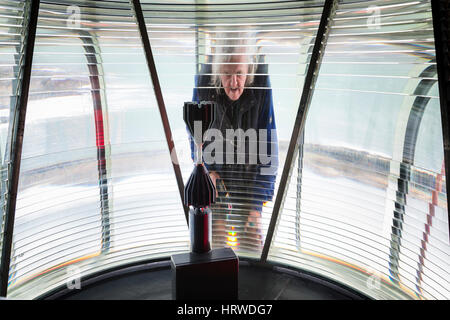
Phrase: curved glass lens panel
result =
(11, 52)
(96, 187)
(200, 48)
(366, 205)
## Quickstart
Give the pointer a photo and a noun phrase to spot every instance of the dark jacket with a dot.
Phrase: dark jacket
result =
(253, 110)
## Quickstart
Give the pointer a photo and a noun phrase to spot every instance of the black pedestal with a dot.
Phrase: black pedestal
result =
(206, 276)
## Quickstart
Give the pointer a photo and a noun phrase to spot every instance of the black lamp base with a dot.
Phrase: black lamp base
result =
(206, 276)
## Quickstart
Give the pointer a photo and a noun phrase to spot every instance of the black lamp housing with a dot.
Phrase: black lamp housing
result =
(199, 192)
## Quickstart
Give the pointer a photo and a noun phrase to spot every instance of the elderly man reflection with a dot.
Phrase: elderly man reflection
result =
(244, 180)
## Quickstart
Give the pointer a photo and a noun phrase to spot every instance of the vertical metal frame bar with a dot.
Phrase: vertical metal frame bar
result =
(159, 97)
(409, 150)
(17, 141)
(298, 200)
(92, 49)
(300, 180)
(441, 25)
(311, 76)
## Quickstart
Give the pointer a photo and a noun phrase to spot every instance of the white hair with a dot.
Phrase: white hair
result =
(230, 44)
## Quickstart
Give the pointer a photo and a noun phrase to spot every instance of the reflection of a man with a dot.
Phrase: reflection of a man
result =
(242, 92)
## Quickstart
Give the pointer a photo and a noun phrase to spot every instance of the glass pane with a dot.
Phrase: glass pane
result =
(366, 205)
(193, 43)
(97, 189)
(11, 50)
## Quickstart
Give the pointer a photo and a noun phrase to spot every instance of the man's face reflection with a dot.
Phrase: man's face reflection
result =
(233, 77)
